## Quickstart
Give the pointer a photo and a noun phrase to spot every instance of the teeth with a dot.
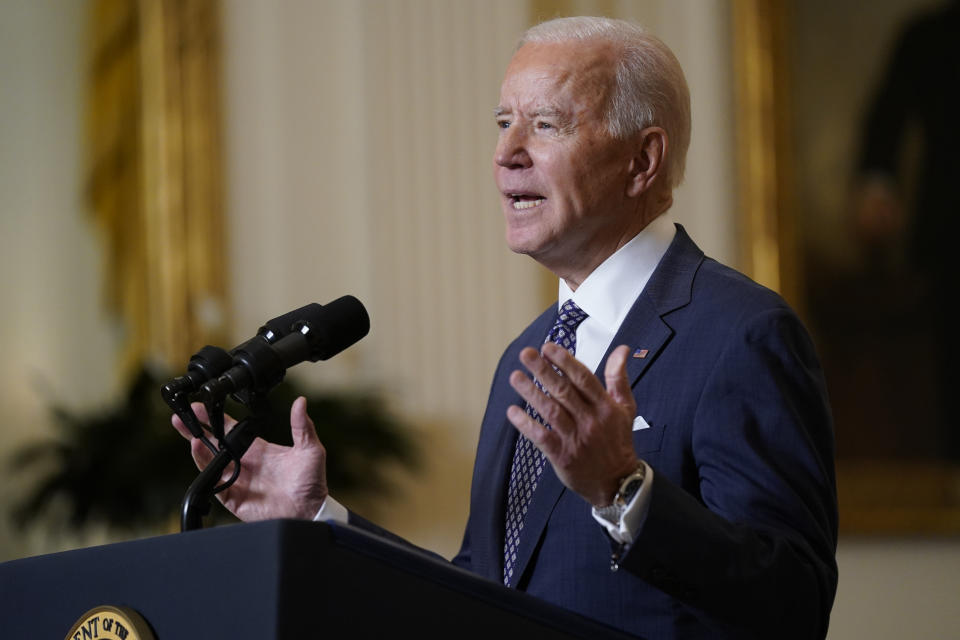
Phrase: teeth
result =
(527, 204)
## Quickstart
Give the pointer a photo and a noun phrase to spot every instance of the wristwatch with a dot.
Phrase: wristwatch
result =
(629, 486)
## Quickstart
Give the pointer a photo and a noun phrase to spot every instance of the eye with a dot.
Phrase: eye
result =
(544, 125)
(503, 124)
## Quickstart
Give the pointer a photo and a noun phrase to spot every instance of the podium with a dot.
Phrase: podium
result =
(279, 579)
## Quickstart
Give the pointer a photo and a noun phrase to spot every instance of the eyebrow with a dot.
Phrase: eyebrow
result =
(548, 112)
(543, 112)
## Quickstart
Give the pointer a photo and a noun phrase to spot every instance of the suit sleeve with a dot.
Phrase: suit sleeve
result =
(753, 542)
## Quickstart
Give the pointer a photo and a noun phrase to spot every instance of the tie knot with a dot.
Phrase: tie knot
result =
(571, 315)
(564, 330)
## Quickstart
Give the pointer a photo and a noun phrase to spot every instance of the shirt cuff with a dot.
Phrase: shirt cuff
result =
(331, 510)
(631, 520)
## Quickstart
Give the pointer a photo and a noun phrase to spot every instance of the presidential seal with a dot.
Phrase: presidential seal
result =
(111, 623)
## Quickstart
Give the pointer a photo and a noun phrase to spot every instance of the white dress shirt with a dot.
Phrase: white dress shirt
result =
(607, 295)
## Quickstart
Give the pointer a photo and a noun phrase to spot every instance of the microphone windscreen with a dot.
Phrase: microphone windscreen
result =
(339, 324)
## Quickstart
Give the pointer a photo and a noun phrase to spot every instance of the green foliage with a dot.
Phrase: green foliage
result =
(127, 467)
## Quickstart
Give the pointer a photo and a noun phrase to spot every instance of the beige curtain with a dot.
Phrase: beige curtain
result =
(155, 173)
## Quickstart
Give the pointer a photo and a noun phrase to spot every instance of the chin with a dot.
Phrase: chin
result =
(516, 246)
(523, 242)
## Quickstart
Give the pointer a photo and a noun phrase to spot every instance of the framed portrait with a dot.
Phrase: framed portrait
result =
(847, 115)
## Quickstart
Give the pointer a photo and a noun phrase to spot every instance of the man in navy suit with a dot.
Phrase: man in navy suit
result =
(684, 490)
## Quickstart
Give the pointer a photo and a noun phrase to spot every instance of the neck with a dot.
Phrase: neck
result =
(652, 208)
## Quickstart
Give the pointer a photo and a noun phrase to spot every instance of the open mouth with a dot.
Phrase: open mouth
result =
(525, 200)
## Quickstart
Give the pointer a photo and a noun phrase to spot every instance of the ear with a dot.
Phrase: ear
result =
(647, 164)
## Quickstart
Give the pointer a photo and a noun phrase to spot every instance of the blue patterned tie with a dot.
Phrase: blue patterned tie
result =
(528, 461)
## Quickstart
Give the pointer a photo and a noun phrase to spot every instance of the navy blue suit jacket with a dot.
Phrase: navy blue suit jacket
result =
(740, 537)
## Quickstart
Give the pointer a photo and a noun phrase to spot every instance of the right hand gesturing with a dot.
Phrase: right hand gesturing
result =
(275, 481)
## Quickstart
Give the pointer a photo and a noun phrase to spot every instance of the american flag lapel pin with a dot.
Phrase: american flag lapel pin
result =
(640, 353)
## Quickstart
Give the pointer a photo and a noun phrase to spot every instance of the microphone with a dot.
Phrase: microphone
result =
(320, 333)
(210, 362)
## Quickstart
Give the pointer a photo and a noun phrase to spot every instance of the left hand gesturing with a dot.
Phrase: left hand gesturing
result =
(589, 443)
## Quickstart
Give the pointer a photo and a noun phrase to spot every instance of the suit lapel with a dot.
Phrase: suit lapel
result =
(497, 454)
(646, 335)
(644, 328)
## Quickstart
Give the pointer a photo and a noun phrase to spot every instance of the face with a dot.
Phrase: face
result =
(563, 180)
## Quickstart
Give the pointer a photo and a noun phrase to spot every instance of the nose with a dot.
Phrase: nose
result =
(511, 151)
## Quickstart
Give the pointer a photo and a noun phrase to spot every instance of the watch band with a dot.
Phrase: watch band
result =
(629, 486)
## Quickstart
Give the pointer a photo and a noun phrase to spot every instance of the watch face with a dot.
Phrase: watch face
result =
(632, 489)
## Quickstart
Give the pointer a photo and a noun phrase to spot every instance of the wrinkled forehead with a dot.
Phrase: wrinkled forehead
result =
(581, 72)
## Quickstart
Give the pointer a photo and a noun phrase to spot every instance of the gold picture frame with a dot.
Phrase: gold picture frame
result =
(878, 494)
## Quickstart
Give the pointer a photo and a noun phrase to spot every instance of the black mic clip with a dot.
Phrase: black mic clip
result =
(210, 361)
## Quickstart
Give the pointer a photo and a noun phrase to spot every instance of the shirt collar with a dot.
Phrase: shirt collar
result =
(607, 294)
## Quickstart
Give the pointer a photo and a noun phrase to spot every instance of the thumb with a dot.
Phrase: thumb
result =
(301, 426)
(615, 375)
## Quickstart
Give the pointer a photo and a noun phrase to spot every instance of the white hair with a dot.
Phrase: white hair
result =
(649, 85)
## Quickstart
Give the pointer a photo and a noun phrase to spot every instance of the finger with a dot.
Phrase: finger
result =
(551, 411)
(544, 439)
(615, 375)
(200, 410)
(558, 386)
(181, 427)
(201, 454)
(301, 426)
(575, 371)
